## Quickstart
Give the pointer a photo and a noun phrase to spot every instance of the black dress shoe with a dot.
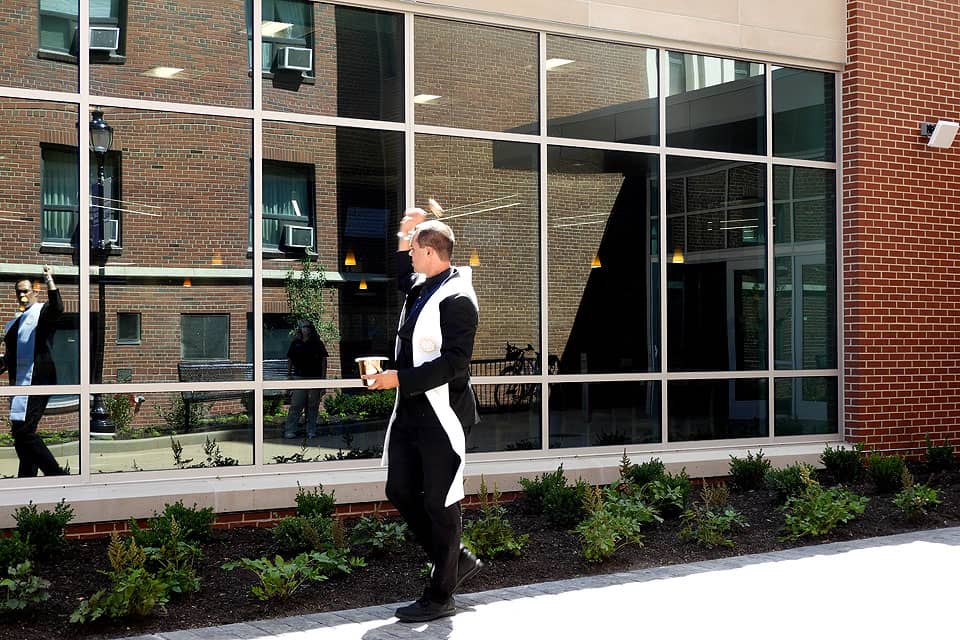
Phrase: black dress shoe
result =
(425, 609)
(468, 565)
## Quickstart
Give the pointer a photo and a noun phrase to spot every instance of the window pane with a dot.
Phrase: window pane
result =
(803, 114)
(716, 277)
(715, 104)
(509, 413)
(59, 428)
(39, 44)
(357, 69)
(357, 191)
(184, 53)
(805, 406)
(601, 91)
(205, 337)
(128, 328)
(716, 409)
(175, 430)
(24, 192)
(805, 321)
(588, 414)
(184, 208)
(474, 76)
(493, 189)
(603, 251)
(324, 425)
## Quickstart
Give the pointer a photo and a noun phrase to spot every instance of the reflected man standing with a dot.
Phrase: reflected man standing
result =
(28, 339)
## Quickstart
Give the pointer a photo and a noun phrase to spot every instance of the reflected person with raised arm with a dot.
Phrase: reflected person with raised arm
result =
(425, 446)
(28, 341)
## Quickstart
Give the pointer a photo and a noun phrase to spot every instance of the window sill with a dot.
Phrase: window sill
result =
(69, 249)
(60, 56)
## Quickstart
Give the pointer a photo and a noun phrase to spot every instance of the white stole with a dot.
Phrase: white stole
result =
(26, 345)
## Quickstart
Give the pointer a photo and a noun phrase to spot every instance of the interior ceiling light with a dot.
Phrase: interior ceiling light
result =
(553, 63)
(425, 98)
(162, 72)
(270, 29)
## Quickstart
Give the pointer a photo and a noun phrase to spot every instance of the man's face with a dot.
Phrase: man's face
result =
(26, 296)
(421, 256)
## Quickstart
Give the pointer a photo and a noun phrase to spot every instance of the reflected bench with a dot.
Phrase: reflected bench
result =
(225, 371)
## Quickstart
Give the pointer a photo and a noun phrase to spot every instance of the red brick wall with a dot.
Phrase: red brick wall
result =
(901, 202)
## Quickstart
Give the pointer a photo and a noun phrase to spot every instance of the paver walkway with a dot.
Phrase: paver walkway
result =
(901, 586)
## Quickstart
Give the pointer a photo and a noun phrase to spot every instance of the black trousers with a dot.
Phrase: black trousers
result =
(422, 465)
(31, 450)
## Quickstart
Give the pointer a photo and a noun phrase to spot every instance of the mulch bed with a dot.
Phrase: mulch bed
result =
(550, 554)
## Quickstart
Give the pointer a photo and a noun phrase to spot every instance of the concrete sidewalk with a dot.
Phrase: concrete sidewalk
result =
(899, 587)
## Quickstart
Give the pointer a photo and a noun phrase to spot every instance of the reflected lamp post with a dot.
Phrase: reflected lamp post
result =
(101, 138)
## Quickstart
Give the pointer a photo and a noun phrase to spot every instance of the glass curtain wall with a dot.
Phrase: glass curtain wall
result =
(638, 285)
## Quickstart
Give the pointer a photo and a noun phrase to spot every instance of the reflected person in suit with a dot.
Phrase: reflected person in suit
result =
(28, 341)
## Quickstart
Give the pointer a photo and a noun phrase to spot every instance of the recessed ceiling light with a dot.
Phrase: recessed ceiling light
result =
(425, 98)
(553, 63)
(162, 72)
(270, 29)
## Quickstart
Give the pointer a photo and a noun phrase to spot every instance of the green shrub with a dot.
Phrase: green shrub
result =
(749, 473)
(377, 535)
(940, 458)
(366, 404)
(23, 589)
(181, 416)
(195, 526)
(643, 473)
(173, 562)
(816, 511)
(14, 551)
(888, 473)
(299, 533)
(711, 527)
(788, 481)
(280, 578)
(549, 494)
(668, 495)
(916, 501)
(605, 530)
(315, 503)
(844, 465)
(43, 529)
(491, 535)
(134, 591)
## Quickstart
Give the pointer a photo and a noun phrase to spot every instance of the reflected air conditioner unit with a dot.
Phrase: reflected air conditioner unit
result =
(295, 59)
(297, 237)
(104, 38)
(111, 232)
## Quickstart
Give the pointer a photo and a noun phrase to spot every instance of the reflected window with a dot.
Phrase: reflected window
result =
(584, 414)
(59, 20)
(128, 328)
(287, 36)
(288, 216)
(602, 238)
(715, 103)
(602, 91)
(804, 114)
(204, 336)
(61, 198)
(276, 336)
(717, 409)
(806, 406)
(716, 271)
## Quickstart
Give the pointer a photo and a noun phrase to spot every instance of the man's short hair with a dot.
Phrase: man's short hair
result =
(437, 236)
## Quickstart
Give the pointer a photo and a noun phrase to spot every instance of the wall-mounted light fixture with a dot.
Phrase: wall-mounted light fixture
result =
(187, 283)
(363, 284)
(595, 263)
(941, 134)
(677, 257)
(474, 258)
(350, 260)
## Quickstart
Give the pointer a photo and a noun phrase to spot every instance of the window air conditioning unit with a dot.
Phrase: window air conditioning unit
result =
(111, 232)
(295, 58)
(297, 237)
(104, 38)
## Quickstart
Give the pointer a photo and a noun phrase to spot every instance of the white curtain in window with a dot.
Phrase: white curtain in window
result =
(104, 8)
(60, 195)
(280, 190)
